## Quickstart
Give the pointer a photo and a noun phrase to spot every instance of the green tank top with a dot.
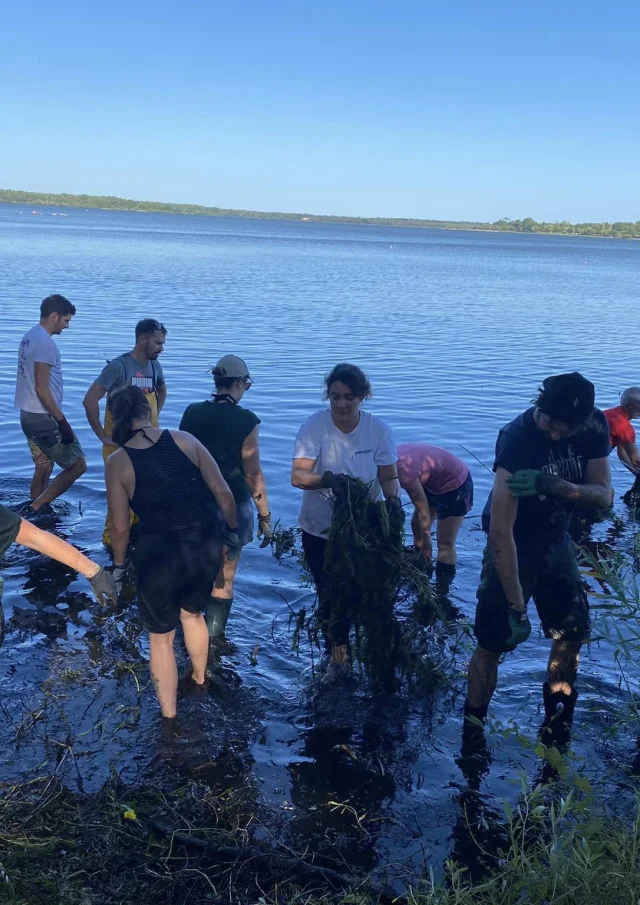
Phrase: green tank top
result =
(222, 428)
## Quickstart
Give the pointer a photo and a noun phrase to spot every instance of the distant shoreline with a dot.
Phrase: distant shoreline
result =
(617, 230)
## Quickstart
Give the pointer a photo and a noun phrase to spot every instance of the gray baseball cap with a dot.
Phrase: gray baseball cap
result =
(231, 366)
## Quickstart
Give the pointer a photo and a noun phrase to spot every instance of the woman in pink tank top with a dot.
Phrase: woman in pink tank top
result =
(441, 489)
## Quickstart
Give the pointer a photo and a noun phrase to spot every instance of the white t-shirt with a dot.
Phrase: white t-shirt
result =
(357, 454)
(37, 345)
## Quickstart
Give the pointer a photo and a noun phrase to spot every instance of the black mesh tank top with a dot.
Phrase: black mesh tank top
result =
(170, 495)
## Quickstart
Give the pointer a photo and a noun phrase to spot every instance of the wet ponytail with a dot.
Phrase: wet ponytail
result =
(125, 406)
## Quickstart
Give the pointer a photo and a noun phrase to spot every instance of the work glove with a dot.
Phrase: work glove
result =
(119, 572)
(333, 482)
(519, 628)
(265, 531)
(66, 431)
(229, 537)
(530, 482)
(105, 587)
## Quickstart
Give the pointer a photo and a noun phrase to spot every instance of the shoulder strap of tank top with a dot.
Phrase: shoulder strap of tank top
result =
(224, 397)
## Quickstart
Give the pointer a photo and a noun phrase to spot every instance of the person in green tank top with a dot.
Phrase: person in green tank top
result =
(230, 433)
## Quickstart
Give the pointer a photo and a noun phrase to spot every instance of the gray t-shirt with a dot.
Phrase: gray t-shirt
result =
(126, 371)
(37, 346)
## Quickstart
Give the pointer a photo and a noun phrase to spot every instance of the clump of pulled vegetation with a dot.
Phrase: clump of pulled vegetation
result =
(382, 587)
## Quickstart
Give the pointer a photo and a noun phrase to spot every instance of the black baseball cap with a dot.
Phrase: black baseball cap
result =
(567, 397)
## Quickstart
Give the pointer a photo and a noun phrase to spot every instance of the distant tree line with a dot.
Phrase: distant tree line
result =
(618, 230)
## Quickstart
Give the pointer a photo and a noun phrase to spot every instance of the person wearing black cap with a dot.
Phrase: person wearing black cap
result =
(548, 459)
(231, 434)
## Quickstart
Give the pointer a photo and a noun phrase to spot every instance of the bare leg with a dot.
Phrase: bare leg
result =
(483, 677)
(223, 585)
(40, 480)
(447, 533)
(196, 639)
(61, 483)
(563, 666)
(164, 671)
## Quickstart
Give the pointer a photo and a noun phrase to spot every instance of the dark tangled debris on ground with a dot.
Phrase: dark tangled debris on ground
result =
(141, 845)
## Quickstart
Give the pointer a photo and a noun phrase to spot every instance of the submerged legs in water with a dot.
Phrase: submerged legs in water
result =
(162, 660)
(164, 671)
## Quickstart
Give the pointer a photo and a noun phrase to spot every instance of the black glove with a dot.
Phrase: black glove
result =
(229, 537)
(66, 431)
(333, 482)
(105, 587)
(265, 531)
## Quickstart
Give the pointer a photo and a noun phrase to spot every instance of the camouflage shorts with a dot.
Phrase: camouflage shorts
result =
(45, 445)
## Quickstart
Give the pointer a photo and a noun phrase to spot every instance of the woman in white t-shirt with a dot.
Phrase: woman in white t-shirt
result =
(341, 440)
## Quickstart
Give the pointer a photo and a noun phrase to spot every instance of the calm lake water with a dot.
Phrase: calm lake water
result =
(456, 330)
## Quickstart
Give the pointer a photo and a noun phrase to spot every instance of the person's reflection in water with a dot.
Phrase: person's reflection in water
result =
(477, 832)
(349, 772)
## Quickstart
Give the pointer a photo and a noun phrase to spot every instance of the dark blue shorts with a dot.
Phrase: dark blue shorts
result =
(456, 503)
(549, 574)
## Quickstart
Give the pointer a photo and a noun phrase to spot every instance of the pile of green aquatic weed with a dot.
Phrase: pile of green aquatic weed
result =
(370, 574)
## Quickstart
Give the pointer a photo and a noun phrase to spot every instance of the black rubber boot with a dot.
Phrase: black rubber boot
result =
(217, 615)
(558, 708)
(474, 757)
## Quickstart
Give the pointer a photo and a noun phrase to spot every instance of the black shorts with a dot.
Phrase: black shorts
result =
(548, 574)
(456, 503)
(174, 575)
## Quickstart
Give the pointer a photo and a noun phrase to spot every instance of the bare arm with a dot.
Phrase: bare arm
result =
(91, 403)
(161, 394)
(253, 471)
(419, 499)
(595, 493)
(629, 455)
(55, 548)
(41, 372)
(118, 502)
(504, 509)
(216, 483)
(388, 478)
(302, 475)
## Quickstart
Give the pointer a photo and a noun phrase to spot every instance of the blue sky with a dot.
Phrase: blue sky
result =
(447, 110)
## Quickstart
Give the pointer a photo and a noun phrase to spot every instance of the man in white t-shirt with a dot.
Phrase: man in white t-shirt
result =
(39, 394)
(340, 441)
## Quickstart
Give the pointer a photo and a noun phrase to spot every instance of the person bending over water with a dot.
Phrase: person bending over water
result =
(39, 394)
(622, 433)
(333, 443)
(14, 529)
(173, 485)
(548, 459)
(441, 488)
(231, 434)
(138, 368)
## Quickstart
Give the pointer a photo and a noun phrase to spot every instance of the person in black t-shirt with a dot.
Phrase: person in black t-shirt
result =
(231, 434)
(548, 459)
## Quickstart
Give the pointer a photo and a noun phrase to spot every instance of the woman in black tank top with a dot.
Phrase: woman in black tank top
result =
(187, 515)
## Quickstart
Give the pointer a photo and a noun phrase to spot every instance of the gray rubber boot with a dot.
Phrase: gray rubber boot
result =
(217, 615)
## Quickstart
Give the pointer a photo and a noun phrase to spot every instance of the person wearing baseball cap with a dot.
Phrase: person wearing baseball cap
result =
(231, 434)
(548, 459)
